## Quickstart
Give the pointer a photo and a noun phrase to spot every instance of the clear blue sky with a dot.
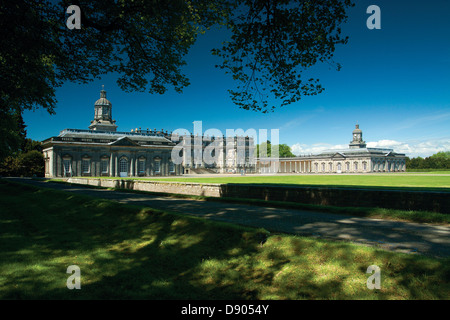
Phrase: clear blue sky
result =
(395, 82)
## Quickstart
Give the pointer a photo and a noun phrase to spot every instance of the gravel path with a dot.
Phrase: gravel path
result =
(417, 238)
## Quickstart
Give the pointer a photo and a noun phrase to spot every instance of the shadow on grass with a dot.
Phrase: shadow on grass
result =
(123, 252)
(127, 252)
(359, 211)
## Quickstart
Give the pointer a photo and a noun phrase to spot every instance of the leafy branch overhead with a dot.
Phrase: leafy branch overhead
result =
(273, 42)
(145, 42)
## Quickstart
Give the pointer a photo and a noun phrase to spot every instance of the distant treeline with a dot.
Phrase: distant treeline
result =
(440, 160)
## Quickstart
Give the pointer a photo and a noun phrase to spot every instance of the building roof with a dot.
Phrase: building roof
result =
(360, 151)
(79, 133)
(346, 153)
(90, 137)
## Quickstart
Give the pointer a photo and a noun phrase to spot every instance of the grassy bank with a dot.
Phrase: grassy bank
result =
(378, 181)
(127, 252)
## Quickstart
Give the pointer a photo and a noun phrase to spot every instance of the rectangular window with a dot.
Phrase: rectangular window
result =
(157, 166)
(104, 165)
(141, 166)
(67, 167)
(171, 167)
(86, 166)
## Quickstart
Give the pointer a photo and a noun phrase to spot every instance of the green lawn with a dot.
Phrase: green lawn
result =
(428, 171)
(385, 181)
(127, 252)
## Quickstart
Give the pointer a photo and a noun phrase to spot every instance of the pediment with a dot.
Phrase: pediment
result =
(124, 141)
(338, 155)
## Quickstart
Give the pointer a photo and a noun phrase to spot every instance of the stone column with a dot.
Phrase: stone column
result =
(136, 165)
(54, 165)
(116, 172)
(131, 166)
(111, 165)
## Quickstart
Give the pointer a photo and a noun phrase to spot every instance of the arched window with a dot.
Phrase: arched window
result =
(123, 167)
(339, 166)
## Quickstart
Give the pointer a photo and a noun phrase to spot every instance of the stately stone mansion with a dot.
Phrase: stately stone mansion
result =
(356, 159)
(101, 150)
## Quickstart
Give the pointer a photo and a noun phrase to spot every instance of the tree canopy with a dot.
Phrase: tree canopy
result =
(439, 160)
(145, 42)
(265, 150)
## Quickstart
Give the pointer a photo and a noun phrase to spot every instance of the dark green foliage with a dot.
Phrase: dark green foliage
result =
(12, 133)
(29, 162)
(145, 42)
(440, 160)
(274, 42)
(265, 150)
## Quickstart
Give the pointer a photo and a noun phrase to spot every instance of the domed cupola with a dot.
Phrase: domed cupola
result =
(357, 141)
(103, 114)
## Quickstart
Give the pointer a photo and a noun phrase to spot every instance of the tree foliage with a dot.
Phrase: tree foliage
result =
(265, 150)
(12, 133)
(273, 42)
(440, 160)
(145, 41)
(25, 164)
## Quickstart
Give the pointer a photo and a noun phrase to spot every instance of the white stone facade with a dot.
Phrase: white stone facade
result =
(356, 159)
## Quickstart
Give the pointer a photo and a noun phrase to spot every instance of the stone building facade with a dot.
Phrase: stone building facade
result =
(356, 159)
(209, 154)
(103, 151)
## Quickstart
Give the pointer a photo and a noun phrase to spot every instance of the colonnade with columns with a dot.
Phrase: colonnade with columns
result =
(348, 165)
